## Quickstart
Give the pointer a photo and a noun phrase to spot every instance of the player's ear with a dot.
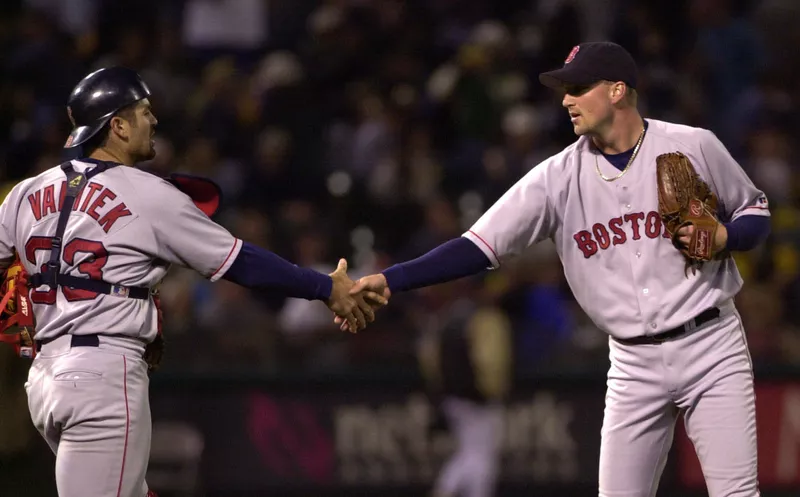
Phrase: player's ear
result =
(617, 91)
(119, 127)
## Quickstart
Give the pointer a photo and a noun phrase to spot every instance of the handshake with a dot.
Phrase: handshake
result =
(354, 302)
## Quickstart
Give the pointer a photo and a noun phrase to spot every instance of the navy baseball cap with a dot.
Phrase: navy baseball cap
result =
(591, 62)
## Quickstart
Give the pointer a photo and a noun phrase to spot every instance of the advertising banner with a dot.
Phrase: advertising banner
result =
(381, 438)
(353, 439)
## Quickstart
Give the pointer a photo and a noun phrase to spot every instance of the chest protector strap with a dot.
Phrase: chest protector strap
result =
(50, 275)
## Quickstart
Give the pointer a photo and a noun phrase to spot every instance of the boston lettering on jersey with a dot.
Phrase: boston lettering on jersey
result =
(90, 200)
(615, 232)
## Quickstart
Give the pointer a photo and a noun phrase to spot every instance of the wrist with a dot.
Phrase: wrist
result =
(394, 278)
(722, 237)
(323, 286)
(385, 281)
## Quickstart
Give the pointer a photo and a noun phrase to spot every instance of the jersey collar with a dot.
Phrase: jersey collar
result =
(99, 162)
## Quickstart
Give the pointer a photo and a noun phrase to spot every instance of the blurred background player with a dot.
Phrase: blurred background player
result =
(465, 357)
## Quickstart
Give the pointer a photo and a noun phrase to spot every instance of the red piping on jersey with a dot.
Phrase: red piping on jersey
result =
(484, 242)
(235, 242)
(127, 421)
(756, 207)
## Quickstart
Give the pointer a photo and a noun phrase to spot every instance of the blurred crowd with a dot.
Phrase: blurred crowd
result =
(376, 129)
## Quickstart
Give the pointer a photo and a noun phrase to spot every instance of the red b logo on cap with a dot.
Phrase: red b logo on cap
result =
(572, 54)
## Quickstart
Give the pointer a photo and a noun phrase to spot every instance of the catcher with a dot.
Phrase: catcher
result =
(17, 326)
(616, 203)
(96, 236)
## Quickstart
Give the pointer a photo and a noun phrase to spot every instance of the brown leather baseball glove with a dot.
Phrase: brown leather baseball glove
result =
(16, 311)
(684, 199)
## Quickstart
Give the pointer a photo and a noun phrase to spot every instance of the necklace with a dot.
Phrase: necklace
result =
(627, 166)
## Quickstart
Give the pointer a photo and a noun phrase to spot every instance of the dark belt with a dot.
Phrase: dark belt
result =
(75, 341)
(699, 320)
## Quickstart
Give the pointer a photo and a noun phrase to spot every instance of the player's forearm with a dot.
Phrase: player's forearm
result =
(746, 232)
(452, 260)
(260, 269)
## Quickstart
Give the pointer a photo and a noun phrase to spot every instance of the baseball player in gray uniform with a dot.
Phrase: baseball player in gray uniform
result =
(96, 237)
(676, 341)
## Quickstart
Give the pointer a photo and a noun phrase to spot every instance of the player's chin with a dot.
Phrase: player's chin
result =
(151, 152)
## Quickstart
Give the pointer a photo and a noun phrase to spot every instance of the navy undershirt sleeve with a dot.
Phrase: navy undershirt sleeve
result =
(449, 261)
(746, 232)
(260, 269)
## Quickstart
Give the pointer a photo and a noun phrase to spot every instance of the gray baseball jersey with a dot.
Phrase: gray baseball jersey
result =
(617, 257)
(126, 228)
(629, 278)
(91, 403)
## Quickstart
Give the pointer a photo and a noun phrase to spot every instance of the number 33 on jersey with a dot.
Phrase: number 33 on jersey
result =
(126, 227)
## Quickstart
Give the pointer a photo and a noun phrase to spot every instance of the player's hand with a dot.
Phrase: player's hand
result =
(341, 302)
(685, 235)
(375, 288)
(720, 239)
(372, 283)
(352, 307)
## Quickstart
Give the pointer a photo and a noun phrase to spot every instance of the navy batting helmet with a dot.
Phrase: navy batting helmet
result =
(96, 98)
